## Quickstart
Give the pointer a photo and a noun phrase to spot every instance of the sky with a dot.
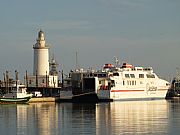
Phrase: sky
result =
(140, 32)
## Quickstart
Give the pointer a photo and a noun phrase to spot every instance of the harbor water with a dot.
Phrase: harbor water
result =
(114, 118)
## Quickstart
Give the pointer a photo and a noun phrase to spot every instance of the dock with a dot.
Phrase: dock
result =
(44, 99)
(90, 97)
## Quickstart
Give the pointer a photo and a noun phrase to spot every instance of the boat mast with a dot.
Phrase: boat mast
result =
(16, 77)
(26, 79)
(116, 61)
(76, 61)
(16, 74)
(7, 82)
(177, 72)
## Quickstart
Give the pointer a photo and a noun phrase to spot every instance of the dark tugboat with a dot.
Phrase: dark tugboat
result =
(174, 90)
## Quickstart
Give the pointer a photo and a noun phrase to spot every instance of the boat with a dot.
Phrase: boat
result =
(174, 90)
(126, 83)
(18, 94)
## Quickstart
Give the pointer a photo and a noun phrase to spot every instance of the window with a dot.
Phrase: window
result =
(115, 74)
(123, 83)
(132, 82)
(147, 69)
(112, 83)
(102, 75)
(141, 75)
(150, 76)
(132, 75)
(127, 75)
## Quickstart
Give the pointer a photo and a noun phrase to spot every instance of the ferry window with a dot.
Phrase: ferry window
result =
(150, 76)
(115, 74)
(132, 75)
(112, 83)
(42, 80)
(132, 82)
(127, 75)
(141, 75)
(102, 75)
(123, 83)
(147, 69)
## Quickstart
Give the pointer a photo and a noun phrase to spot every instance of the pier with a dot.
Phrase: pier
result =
(44, 99)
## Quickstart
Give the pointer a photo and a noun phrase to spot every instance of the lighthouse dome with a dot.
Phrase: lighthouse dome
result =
(41, 35)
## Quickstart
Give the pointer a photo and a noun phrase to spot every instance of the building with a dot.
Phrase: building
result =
(45, 74)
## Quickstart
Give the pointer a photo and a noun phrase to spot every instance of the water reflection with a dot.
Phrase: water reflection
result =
(44, 118)
(140, 117)
(7, 119)
(174, 116)
(77, 119)
(37, 119)
(22, 119)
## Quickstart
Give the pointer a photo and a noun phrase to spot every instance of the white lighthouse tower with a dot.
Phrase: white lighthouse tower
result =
(41, 56)
(43, 76)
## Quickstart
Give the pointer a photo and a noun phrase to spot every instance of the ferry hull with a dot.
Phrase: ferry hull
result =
(128, 95)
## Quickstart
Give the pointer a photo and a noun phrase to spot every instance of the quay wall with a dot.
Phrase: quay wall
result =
(44, 99)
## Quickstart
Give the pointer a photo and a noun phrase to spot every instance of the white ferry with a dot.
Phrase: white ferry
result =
(126, 83)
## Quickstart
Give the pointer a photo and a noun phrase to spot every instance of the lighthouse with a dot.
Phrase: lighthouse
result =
(41, 56)
(45, 73)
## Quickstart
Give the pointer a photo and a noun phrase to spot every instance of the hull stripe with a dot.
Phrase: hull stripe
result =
(135, 90)
(126, 90)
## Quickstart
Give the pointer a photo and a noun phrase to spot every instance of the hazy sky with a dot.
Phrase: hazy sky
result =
(141, 32)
